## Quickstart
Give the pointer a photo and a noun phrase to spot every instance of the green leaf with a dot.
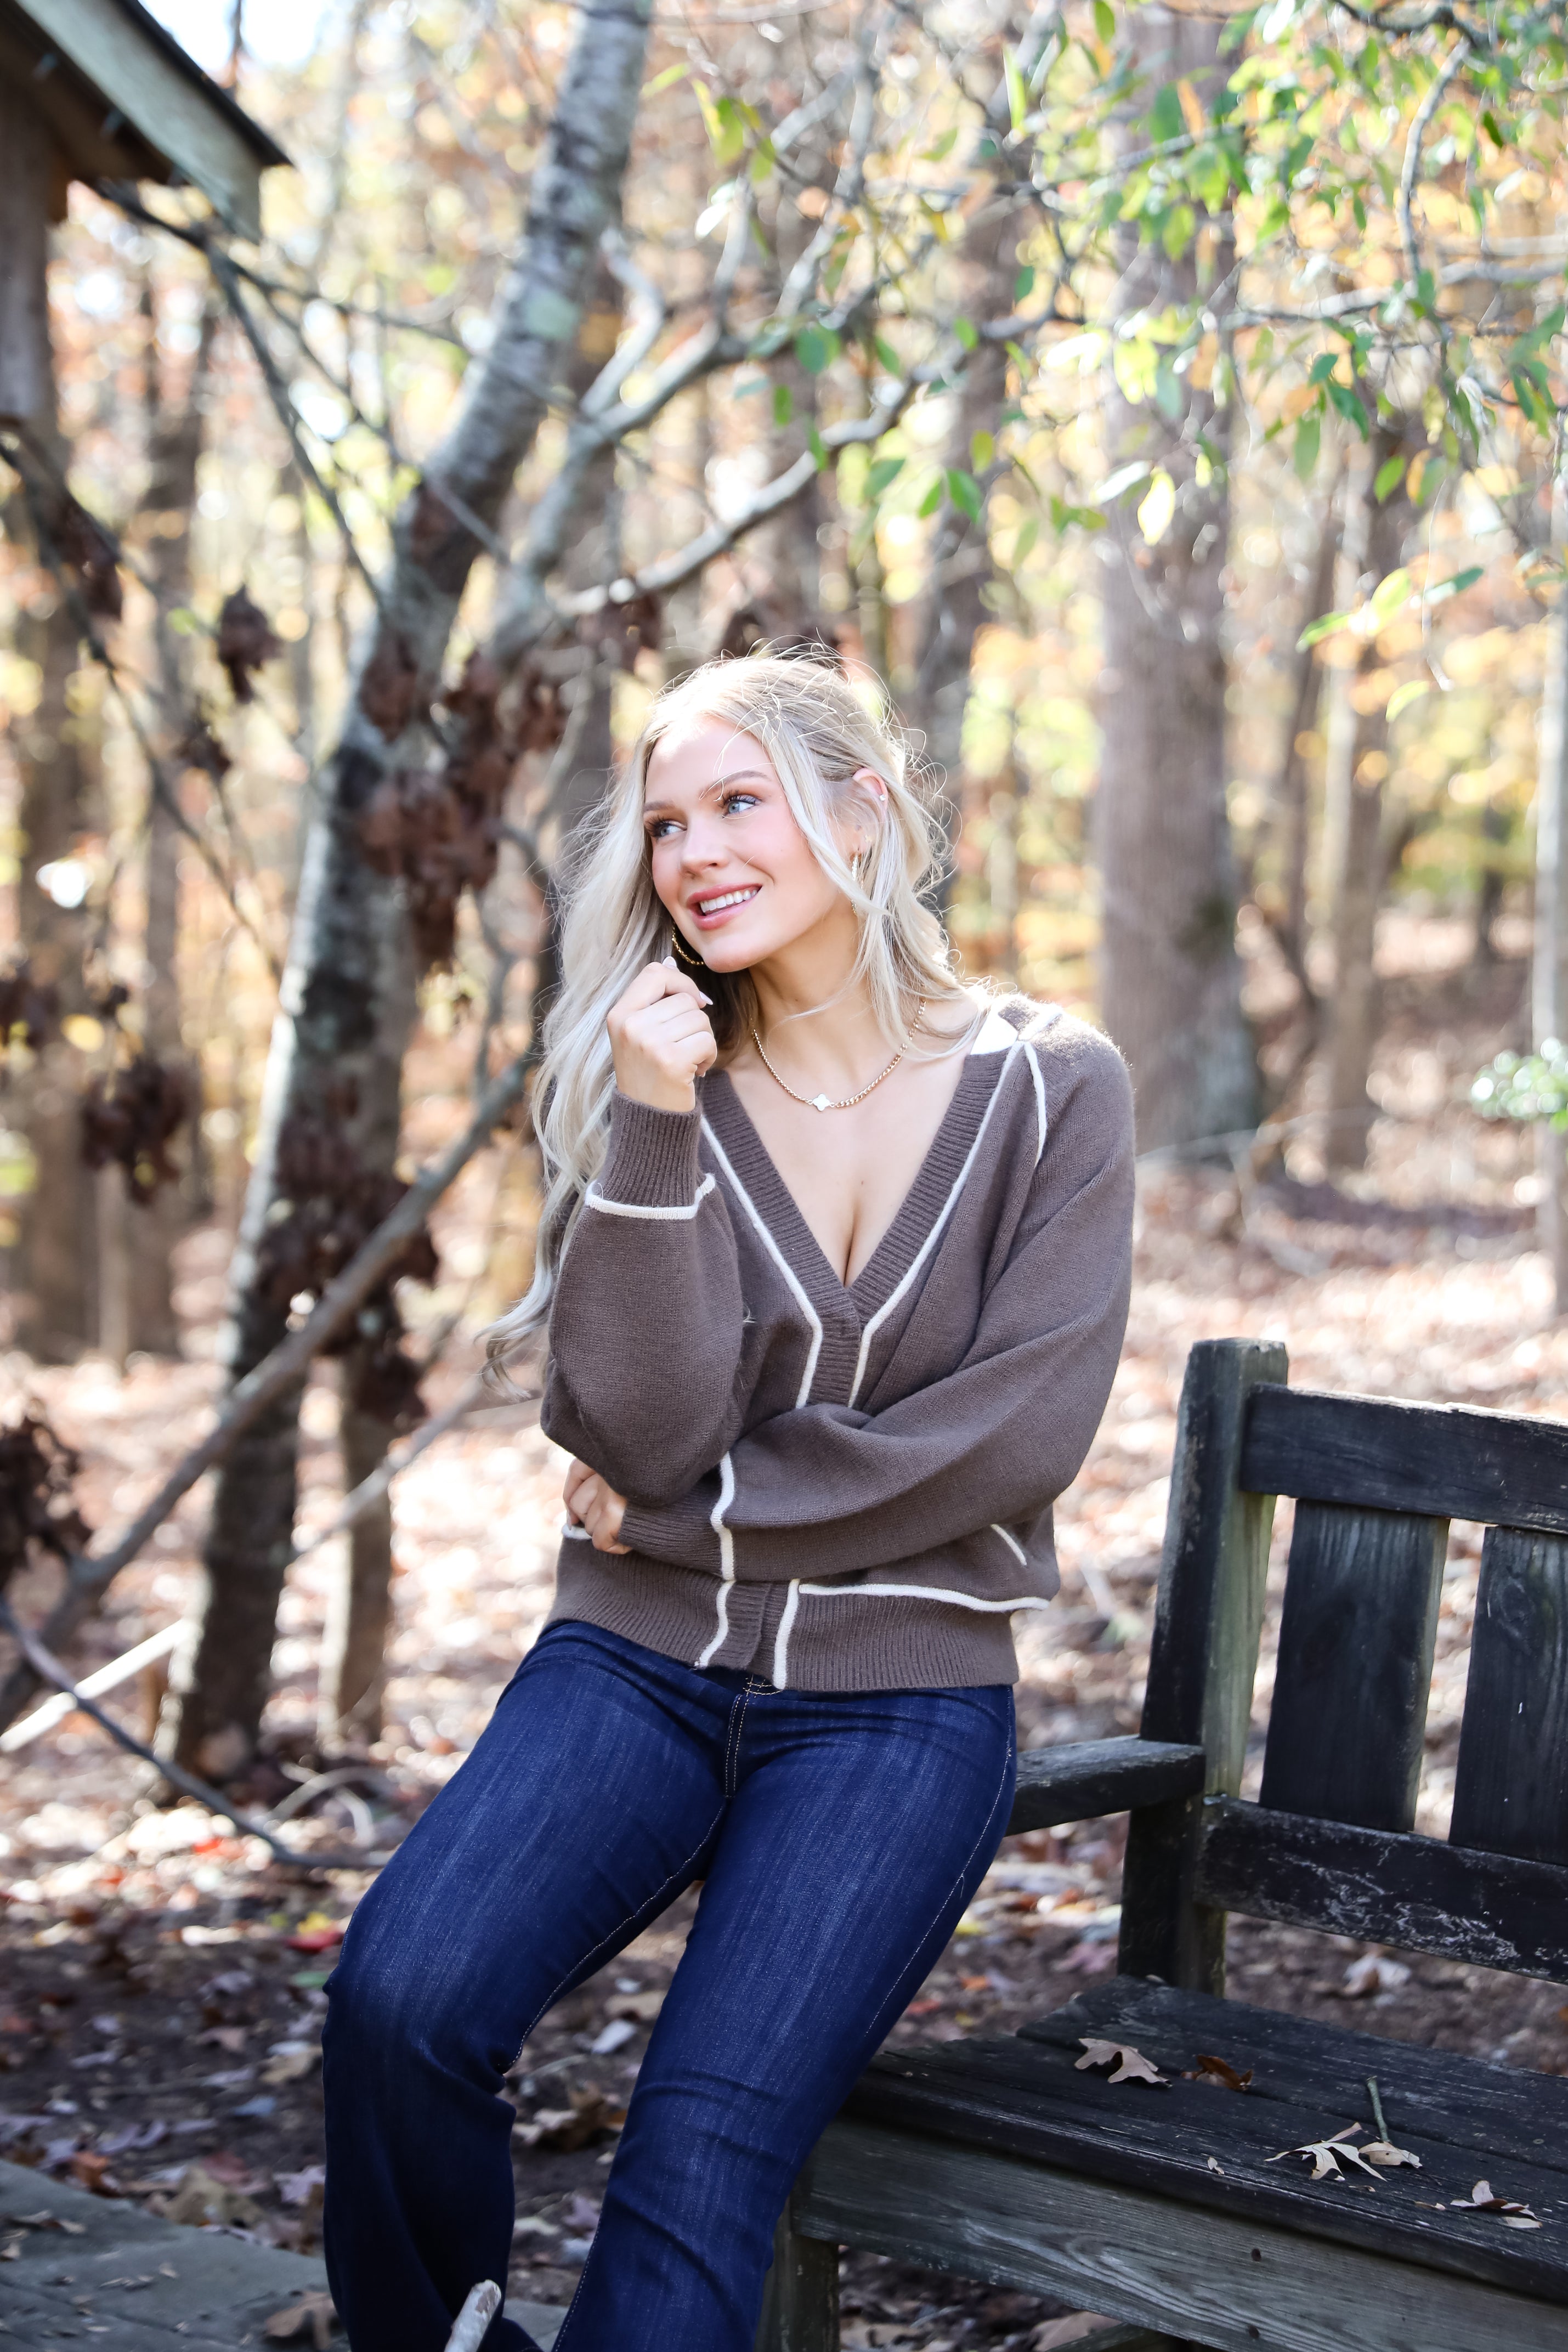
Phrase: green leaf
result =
(671, 74)
(1404, 696)
(944, 146)
(1123, 479)
(883, 472)
(818, 447)
(1023, 284)
(888, 356)
(1104, 20)
(816, 348)
(1349, 404)
(965, 331)
(783, 404)
(1454, 587)
(1390, 474)
(1323, 367)
(1304, 457)
(965, 492)
(1389, 597)
(1328, 625)
(1167, 120)
(1018, 89)
(932, 500)
(1028, 530)
(982, 450)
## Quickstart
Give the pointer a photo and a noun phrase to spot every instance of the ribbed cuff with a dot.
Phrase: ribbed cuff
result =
(681, 1534)
(652, 1158)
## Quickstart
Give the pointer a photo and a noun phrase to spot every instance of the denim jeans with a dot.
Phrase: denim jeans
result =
(839, 1837)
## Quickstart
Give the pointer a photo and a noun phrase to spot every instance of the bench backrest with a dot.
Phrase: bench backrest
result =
(1330, 1843)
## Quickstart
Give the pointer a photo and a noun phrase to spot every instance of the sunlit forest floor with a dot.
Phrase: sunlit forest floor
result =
(163, 1993)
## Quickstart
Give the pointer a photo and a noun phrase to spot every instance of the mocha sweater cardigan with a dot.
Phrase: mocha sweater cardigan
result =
(847, 1488)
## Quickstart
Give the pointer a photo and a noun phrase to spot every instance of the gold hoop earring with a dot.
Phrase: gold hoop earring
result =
(684, 954)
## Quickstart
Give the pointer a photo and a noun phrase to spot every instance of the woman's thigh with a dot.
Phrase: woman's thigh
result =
(858, 1833)
(587, 1804)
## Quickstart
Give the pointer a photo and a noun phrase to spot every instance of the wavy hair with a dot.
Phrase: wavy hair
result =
(818, 732)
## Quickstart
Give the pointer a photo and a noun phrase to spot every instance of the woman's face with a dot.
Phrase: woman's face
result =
(731, 867)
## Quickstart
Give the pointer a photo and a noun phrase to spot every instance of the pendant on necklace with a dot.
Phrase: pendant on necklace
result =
(821, 1102)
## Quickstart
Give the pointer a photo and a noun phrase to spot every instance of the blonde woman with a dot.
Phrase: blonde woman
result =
(834, 1269)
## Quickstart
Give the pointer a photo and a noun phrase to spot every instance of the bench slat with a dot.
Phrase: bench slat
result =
(1346, 1731)
(1383, 1887)
(1234, 2282)
(1450, 1461)
(1085, 1778)
(1217, 2148)
(1510, 1789)
(1493, 2113)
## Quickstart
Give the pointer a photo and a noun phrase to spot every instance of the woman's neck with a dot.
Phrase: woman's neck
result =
(817, 1018)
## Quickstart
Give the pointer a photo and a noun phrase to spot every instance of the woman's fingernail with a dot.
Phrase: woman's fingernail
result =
(670, 961)
(702, 999)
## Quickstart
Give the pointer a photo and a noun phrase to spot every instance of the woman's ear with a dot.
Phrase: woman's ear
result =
(870, 782)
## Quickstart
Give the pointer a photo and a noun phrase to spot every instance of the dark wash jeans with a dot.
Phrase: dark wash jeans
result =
(841, 1837)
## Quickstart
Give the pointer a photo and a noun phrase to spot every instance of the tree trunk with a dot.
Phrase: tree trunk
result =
(347, 998)
(1355, 768)
(175, 434)
(1549, 985)
(359, 1609)
(952, 609)
(1171, 977)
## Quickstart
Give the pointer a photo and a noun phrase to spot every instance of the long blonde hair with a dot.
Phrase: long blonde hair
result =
(818, 732)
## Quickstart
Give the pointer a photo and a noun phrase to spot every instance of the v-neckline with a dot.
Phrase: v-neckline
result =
(912, 1220)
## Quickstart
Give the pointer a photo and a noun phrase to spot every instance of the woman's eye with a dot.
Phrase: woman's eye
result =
(732, 801)
(661, 828)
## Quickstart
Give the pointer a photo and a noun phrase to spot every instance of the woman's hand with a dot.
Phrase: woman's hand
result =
(594, 1504)
(661, 1037)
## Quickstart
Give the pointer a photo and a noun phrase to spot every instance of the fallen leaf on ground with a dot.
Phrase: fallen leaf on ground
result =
(1371, 1974)
(1215, 2165)
(1383, 2152)
(1481, 2199)
(1326, 2156)
(311, 2319)
(1218, 2073)
(643, 2006)
(1131, 2064)
(200, 2200)
(290, 2062)
(90, 2170)
(566, 2129)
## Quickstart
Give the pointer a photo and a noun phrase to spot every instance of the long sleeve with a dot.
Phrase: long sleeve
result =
(647, 1323)
(826, 1490)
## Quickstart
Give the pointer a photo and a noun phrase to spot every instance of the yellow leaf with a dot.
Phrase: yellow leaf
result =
(1157, 508)
(1298, 399)
(1192, 109)
(82, 1032)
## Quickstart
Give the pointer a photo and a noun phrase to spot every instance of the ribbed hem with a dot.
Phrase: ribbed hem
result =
(653, 1156)
(867, 1642)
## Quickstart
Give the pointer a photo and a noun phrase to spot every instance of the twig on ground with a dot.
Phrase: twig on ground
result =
(48, 1669)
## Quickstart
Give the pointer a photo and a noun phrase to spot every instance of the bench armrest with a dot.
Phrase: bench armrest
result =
(1085, 1778)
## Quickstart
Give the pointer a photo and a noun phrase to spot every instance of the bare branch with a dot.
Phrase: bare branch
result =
(1420, 124)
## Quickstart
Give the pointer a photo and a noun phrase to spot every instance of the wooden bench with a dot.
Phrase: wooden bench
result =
(1163, 2206)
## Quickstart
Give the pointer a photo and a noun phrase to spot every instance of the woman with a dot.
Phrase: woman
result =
(834, 1261)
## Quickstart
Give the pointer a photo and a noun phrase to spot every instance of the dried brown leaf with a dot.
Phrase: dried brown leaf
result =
(1131, 2064)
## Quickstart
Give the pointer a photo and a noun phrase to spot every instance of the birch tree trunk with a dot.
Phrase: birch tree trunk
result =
(1549, 987)
(346, 998)
(1355, 770)
(1170, 975)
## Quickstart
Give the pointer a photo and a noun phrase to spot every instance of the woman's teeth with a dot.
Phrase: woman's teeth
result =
(730, 898)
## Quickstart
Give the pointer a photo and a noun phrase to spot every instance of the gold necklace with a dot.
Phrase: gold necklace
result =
(825, 1102)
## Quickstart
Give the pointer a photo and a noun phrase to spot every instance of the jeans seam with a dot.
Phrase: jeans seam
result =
(732, 1755)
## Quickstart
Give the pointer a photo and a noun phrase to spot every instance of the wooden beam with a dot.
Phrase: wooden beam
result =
(1451, 1462)
(186, 118)
(1203, 1658)
(1086, 1778)
(28, 165)
(1383, 1888)
(1227, 2282)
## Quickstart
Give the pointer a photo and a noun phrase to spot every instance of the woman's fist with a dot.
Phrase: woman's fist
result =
(661, 1037)
(591, 1504)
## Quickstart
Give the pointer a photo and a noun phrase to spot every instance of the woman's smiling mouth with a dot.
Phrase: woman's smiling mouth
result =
(722, 902)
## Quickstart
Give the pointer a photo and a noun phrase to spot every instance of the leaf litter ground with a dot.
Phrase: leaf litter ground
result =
(162, 1989)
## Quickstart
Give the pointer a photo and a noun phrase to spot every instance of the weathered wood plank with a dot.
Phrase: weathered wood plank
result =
(1451, 1462)
(801, 2298)
(1387, 1888)
(1493, 2113)
(1346, 1730)
(1222, 2280)
(1086, 1778)
(1511, 1790)
(1203, 1657)
(1202, 2145)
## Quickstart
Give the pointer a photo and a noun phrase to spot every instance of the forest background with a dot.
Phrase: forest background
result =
(1166, 405)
